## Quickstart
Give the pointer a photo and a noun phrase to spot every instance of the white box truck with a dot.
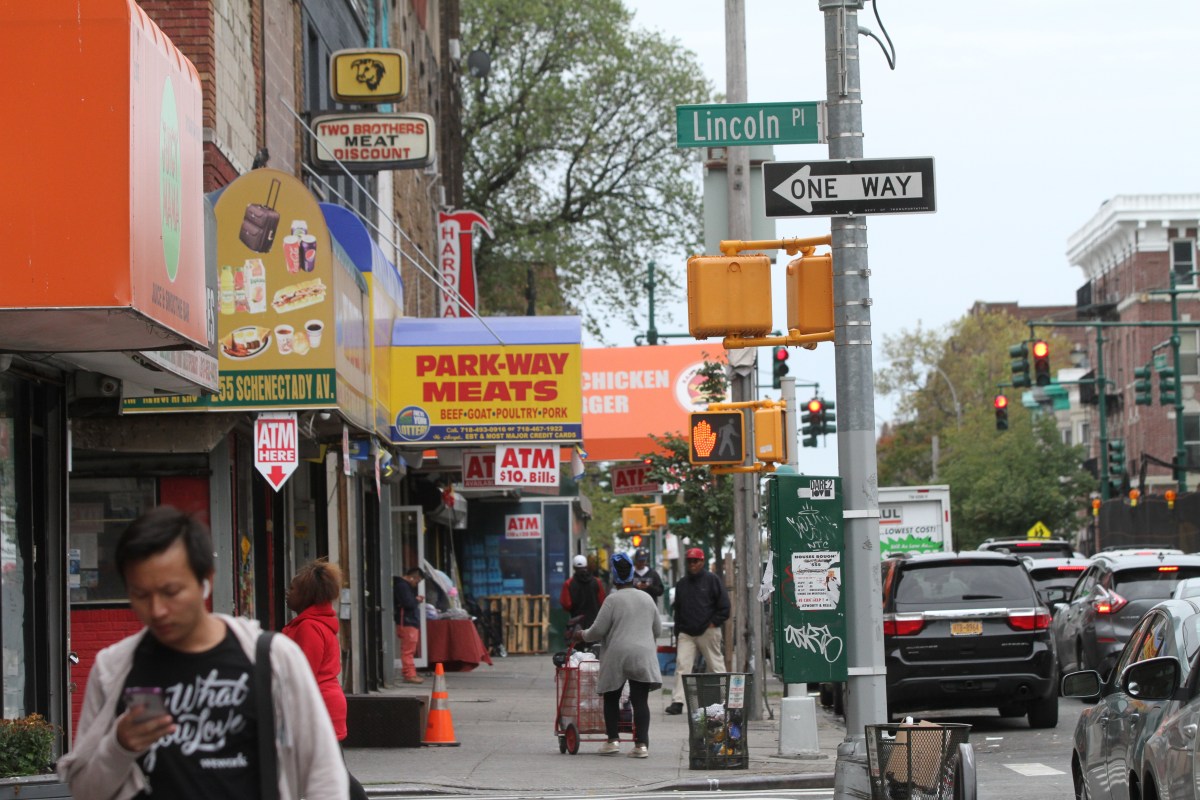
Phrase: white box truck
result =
(914, 519)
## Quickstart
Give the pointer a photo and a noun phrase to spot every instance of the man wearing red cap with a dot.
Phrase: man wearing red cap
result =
(701, 608)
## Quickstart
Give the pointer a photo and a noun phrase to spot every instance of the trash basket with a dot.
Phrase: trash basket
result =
(717, 736)
(914, 761)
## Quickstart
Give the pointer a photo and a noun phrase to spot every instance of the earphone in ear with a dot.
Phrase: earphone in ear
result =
(207, 587)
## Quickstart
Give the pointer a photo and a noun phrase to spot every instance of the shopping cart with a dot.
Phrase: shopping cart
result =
(579, 711)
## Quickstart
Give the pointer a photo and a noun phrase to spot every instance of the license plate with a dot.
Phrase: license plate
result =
(972, 628)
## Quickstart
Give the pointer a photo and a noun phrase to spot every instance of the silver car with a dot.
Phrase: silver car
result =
(1106, 762)
(1169, 765)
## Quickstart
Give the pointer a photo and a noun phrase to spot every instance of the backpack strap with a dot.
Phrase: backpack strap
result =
(268, 760)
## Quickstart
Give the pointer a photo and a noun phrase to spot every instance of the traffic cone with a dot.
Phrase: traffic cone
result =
(439, 728)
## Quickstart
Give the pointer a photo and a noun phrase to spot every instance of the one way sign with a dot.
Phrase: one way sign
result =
(850, 186)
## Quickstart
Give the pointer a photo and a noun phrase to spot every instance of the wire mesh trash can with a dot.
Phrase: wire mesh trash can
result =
(717, 736)
(914, 762)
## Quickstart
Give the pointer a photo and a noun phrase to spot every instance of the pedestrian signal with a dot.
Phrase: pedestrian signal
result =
(633, 519)
(716, 437)
(636, 540)
(658, 516)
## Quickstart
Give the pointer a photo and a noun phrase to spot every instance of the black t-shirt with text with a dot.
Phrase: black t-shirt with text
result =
(214, 750)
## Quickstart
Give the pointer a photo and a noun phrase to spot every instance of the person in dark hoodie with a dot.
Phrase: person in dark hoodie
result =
(315, 628)
(701, 608)
(582, 594)
(644, 576)
(408, 620)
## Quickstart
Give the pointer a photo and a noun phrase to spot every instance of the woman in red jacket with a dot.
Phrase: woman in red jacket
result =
(315, 628)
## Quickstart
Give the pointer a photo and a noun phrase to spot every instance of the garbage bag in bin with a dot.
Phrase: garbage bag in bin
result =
(717, 735)
(914, 761)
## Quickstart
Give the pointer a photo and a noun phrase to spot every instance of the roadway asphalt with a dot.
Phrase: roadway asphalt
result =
(504, 715)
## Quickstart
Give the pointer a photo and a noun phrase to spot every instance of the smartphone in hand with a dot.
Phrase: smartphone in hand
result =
(149, 697)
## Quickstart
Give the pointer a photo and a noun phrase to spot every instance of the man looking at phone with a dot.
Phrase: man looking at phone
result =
(203, 741)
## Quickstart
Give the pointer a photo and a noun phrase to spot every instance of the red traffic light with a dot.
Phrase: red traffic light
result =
(1000, 402)
(1040, 349)
(815, 405)
(781, 354)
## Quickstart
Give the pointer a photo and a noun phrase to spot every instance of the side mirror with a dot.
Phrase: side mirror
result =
(1083, 684)
(1055, 595)
(1152, 679)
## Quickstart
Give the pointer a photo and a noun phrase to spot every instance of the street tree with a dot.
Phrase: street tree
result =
(1002, 481)
(569, 151)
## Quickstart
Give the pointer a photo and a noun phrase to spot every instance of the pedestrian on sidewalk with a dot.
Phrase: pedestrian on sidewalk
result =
(701, 608)
(315, 628)
(582, 594)
(644, 577)
(205, 742)
(628, 624)
(408, 620)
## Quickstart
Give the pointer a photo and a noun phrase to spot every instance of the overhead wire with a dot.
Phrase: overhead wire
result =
(889, 51)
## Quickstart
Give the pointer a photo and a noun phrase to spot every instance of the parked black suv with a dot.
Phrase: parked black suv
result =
(967, 630)
(1111, 596)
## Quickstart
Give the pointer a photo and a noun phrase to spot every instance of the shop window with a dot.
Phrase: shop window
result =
(12, 564)
(1183, 261)
(101, 508)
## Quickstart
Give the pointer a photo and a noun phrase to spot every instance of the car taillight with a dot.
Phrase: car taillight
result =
(902, 624)
(1029, 619)
(1109, 603)
(1168, 569)
(1079, 568)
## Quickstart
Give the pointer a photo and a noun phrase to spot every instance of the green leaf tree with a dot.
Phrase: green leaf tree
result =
(1001, 482)
(569, 151)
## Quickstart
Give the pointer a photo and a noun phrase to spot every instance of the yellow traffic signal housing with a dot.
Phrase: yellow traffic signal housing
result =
(716, 437)
(658, 516)
(633, 519)
(810, 294)
(770, 443)
(729, 296)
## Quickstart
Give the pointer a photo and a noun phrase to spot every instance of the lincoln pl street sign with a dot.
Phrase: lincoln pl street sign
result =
(741, 124)
(850, 186)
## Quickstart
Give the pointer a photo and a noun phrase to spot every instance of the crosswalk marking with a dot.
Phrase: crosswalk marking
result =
(1034, 770)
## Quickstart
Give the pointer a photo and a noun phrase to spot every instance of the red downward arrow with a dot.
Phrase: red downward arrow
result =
(277, 476)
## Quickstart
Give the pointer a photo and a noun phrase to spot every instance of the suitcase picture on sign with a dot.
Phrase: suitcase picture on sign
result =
(260, 222)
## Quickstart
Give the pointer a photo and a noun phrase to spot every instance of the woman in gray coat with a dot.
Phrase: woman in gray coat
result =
(628, 624)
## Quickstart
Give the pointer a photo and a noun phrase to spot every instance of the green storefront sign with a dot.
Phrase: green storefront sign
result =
(808, 604)
(266, 389)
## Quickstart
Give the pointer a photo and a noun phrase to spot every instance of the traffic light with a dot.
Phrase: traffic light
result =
(1116, 458)
(716, 437)
(1019, 353)
(810, 294)
(1168, 388)
(1041, 363)
(1141, 386)
(779, 366)
(770, 444)
(1001, 404)
(633, 520)
(729, 296)
(827, 418)
(811, 417)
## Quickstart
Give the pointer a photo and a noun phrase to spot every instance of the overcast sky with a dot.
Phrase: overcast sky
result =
(1034, 112)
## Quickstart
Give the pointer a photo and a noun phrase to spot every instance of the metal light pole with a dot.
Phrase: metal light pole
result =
(747, 624)
(867, 688)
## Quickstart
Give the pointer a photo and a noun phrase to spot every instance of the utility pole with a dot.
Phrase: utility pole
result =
(747, 624)
(866, 701)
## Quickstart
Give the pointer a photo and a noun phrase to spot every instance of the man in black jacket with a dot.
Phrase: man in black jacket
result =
(582, 593)
(644, 577)
(701, 608)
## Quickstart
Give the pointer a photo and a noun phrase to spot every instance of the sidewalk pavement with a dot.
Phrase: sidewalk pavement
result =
(504, 718)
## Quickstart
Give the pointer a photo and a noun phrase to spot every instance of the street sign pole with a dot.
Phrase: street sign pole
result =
(867, 696)
(747, 624)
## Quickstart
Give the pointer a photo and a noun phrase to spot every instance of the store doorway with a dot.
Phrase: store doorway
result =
(408, 551)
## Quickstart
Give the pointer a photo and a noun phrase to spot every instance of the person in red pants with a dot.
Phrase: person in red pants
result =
(408, 621)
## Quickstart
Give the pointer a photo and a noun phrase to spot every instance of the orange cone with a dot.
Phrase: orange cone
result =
(439, 729)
